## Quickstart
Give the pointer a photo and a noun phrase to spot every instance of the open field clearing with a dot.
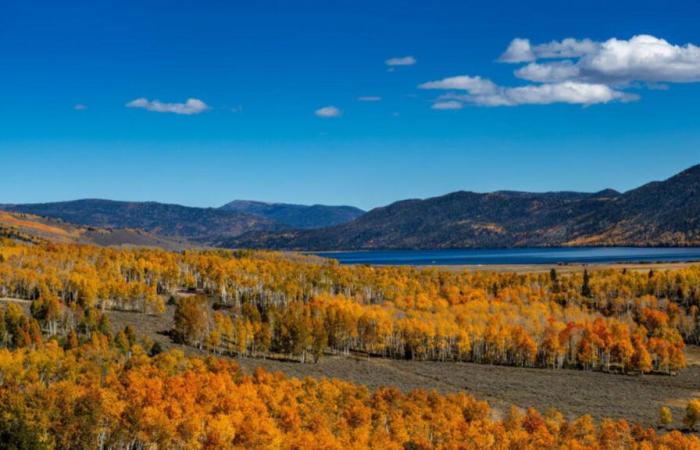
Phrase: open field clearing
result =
(573, 392)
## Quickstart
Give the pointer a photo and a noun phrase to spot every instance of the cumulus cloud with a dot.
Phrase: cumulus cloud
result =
(190, 107)
(328, 112)
(544, 94)
(568, 48)
(577, 71)
(369, 98)
(642, 58)
(475, 85)
(518, 51)
(566, 92)
(548, 73)
(401, 61)
(521, 50)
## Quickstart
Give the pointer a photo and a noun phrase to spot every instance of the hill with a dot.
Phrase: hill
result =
(200, 225)
(657, 214)
(35, 229)
(297, 216)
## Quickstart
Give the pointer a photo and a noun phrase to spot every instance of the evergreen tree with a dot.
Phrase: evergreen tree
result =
(585, 287)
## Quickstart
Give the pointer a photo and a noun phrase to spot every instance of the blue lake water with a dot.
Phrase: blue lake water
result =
(517, 256)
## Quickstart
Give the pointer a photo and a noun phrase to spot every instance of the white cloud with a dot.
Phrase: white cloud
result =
(518, 51)
(80, 107)
(447, 105)
(521, 50)
(548, 73)
(643, 58)
(401, 61)
(487, 93)
(568, 48)
(577, 71)
(369, 98)
(475, 85)
(564, 92)
(189, 107)
(328, 111)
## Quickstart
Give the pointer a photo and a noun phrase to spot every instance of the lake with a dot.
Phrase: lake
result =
(517, 256)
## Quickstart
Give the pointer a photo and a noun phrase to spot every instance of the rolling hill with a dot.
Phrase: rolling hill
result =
(297, 216)
(656, 214)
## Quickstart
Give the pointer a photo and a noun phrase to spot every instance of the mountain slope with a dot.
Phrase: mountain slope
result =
(30, 228)
(200, 225)
(297, 216)
(658, 213)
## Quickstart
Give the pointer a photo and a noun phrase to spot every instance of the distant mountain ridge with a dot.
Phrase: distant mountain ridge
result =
(297, 216)
(200, 225)
(661, 213)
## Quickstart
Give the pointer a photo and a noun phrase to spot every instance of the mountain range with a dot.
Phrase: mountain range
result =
(661, 213)
(198, 225)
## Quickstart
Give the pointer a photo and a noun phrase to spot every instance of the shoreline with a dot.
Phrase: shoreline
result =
(519, 259)
(561, 268)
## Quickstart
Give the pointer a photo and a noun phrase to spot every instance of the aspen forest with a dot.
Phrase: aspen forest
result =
(68, 381)
(96, 395)
(250, 303)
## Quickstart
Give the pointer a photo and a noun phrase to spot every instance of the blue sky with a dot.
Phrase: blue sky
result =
(79, 81)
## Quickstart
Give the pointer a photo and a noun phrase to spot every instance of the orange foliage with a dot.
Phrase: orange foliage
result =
(94, 397)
